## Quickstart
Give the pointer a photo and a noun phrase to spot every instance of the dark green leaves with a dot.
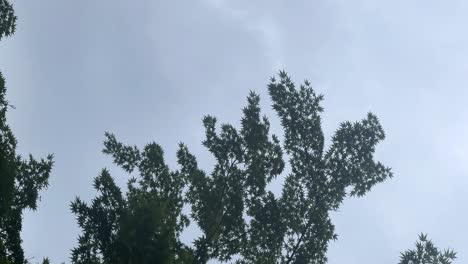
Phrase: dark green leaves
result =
(21, 180)
(142, 226)
(124, 156)
(427, 253)
(32, 177)
(236, 213)
(100, 221)
(7, 19)
(247, 160)
(299, 111)
(349, 162)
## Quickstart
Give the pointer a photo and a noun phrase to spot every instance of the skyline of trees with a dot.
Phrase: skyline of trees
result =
(239, 218)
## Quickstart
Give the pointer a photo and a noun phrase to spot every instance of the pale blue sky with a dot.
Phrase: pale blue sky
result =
(149, 71)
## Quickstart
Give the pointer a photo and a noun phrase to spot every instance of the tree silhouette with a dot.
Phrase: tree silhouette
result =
(20, 179)
(142, 226)
(240, 219)
(7, 19)
(427, 253)
(20, 183)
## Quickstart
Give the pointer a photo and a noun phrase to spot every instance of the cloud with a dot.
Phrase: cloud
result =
(263, 27)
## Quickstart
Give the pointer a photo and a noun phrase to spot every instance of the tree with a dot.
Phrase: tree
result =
(142, 226)
(240, 219)
(20, 179)
(427, 253)
(7, 19)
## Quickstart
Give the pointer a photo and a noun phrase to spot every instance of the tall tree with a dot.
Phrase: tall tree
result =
(20, 183)
(427, 253)
(20, 179)
(240, 219)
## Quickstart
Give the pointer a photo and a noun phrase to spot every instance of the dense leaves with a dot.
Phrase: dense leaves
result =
(427, 253)
(142, 226)
(20, 183)
(7, 19)
(240, 219)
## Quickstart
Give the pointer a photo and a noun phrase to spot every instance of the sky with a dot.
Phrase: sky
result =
(150, 70)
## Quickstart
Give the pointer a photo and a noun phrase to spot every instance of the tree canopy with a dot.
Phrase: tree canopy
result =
(142, 226)
(240, 219)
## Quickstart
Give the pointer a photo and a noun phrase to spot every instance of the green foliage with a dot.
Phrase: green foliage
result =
(238, 216)
(7, 19)
(427, 253)
(20, 179)
(142, 226)
(20, 183)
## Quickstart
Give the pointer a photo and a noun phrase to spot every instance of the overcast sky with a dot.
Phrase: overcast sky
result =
(149, 71)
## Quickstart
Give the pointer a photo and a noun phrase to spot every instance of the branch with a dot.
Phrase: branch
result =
(234, 162)
(299, 241)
